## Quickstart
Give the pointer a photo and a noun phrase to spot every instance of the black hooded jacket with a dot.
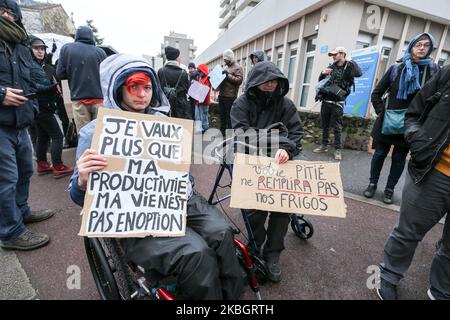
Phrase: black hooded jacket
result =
(79, 62)
(427, 124)
(258, 110)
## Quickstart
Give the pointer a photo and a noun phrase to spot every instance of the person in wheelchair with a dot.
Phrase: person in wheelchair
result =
(263, 105)
(204, 260)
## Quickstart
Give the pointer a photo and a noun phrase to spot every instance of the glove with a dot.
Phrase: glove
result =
(225, 72)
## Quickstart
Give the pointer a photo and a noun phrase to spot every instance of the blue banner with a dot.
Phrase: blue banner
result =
(358, 102)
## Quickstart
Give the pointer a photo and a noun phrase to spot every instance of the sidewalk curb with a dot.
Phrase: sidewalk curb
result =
(14, 282)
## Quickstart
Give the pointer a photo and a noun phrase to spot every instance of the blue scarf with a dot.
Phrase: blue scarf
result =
(410, 77)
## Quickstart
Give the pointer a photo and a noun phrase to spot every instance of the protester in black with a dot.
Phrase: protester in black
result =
(341, 80)
(417, 56)
(263, 105)
(47, 126)
(16, 114)
(175, 83)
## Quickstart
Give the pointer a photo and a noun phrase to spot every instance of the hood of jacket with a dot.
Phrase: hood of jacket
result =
(263, 72)
(11, 4)
(85, 35)
(258, 54)
(115, 69)
(416, 39)
(204, 69)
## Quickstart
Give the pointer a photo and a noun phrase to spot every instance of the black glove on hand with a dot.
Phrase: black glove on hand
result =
(225, 72)
(54, 47)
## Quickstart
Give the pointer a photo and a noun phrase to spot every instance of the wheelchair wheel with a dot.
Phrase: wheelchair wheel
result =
(112, 276)
(260, 269)
(302, 228)
(101, 270)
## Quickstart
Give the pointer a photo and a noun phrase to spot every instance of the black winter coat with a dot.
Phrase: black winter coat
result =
(383, 86)
(428, 125)
(16, 72)
(252, 111)
(79, 63)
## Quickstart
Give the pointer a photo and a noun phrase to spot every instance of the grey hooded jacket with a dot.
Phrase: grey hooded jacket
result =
(110, 70)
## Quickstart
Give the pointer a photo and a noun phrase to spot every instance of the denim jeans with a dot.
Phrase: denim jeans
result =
(201, 117)
(15, 173)
(397, 165)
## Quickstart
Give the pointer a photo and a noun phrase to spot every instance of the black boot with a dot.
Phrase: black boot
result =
(388, 194)
(370, 191)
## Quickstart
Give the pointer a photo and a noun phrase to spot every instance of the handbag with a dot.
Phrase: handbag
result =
(394, 120)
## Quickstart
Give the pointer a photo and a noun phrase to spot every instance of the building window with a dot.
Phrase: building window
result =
(292, 61)
(364, 40)
(443, 59)
(311, 45)
(279, 57)
(269, 55)
(177, 44)
(307, 70)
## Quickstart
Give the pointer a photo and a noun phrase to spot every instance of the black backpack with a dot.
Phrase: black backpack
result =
(171, 92)
(71, 135)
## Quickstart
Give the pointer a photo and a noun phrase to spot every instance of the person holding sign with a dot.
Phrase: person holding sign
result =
(264, 104)
(389, 96)
(204, 260)
(202, 107)
(229, 88)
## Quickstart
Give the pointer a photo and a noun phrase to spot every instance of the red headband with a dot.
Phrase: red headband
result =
(137, 78)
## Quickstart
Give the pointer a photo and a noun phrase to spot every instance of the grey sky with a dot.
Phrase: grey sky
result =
(139, 26)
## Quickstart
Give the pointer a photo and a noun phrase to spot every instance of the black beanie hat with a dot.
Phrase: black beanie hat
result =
(172, 53)
(192, 65)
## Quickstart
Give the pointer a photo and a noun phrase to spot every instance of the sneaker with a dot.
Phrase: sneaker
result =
(28, 240)
(370, 191)
(388, 194)
(338, 155)
(387, 291)
(44, 167)
(60, 170)
(274, 271)
(321, 149)
(430, 295)
(38, 216)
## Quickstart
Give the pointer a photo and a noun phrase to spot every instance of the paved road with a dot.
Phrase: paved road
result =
(331, 265)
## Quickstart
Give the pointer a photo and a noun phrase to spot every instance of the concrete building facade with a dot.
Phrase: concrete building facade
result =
(41, 17)
(234, 10)
(297, 35)
(182, 43)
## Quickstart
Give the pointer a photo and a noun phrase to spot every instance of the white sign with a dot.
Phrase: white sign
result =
(198, 91)
(216, 77)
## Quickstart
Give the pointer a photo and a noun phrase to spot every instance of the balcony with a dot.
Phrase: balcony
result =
(223, 3)
(227, 19)
(242, 4)
(224, 11)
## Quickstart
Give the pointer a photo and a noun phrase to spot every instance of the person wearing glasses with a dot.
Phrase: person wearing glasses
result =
(400, 83)
(17, 112)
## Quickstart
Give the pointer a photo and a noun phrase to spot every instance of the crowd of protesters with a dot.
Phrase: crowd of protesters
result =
(30, 96)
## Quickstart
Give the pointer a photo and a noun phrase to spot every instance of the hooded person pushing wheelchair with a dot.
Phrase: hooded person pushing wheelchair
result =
(204, 260)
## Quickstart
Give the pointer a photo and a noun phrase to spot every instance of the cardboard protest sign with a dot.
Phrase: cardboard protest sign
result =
(302, 187)
(216, 77)
(198, 91)
(145, 187)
